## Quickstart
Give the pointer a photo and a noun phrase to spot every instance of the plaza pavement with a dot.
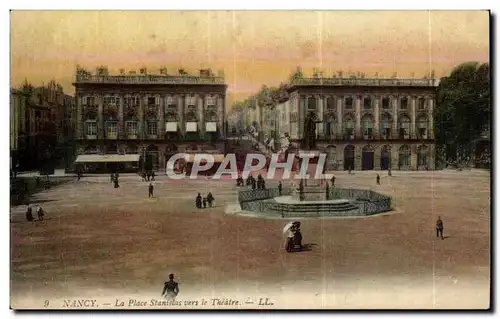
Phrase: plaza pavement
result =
(103, 242)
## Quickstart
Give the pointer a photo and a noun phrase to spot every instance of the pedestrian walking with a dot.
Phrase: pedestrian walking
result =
(327, 190)
(280, 188)
(153, 176)
(39, 212)
(112, 178)
(198, 201)
(439, 228)
(171, 288)
(378, 179)
(29, 213)
(151, 189)
(333, 181)
(210, 199)
(204, 202)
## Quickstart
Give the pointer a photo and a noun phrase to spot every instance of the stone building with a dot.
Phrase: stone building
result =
(152, 116)
(39, 125)
(364, 124)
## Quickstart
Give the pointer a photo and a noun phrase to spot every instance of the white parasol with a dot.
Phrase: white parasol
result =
(287, 227)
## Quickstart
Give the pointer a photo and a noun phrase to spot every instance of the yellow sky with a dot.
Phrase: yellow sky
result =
(253, 47)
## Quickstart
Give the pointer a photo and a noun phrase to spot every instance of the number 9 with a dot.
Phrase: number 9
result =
(46, 303)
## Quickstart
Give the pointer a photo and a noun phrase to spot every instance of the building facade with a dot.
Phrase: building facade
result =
(38, 125)
(154, 116)
(364, 124)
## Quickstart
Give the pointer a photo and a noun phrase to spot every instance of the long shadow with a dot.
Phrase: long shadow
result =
(305, 247)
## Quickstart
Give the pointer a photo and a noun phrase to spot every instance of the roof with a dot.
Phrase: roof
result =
(218, 158)
(107, 158)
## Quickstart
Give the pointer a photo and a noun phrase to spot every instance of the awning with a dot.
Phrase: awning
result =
(211, 126)
(218, 158)
(191, 126)
(171, 127)
(107, 158)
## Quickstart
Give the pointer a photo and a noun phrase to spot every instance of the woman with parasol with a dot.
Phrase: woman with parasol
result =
(289, 231)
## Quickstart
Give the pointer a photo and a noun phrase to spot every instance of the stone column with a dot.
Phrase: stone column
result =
(431, 119)
(320, 132)
(161, 125)
(358, 117)
(376, 129)
(100, 116)
(395, 133)
(339, 118)
(413, 132)
(140, 114)
(376, 157)
(121, 124)
(181, 121)
(80, 120)
(413, 164)
(395, 156)
(200, 99)
(357, 157)
(431, 159)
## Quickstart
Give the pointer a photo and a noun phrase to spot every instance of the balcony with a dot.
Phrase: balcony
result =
(111, 136)
(364, 82)
(132, 136)
(82, 78)
(91, 136)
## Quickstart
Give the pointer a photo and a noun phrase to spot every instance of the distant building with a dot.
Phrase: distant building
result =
(360, 123)
(38, 125)
(151, 116)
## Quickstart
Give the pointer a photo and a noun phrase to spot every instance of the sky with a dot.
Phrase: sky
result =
(254, 48)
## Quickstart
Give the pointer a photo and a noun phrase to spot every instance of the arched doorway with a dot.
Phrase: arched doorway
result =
(367, 158)
(422, 153)
(349, 153)
(331, 157)
(404, 158)
(151, 162)
(385, 158)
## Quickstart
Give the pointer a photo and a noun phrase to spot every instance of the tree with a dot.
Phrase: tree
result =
(463, 110)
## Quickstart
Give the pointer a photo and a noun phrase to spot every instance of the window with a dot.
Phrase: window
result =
(151, 101)
(211, 101)
(421, 104)
(422, 127)
(111, 129)
(152, 128)
(89, 100)
(367, 102)
(311, 104)
(330, 103)
(404, 103)
(131, 128)
(91, 128)
(348, 103)
(386, 103)
(191, 101)
(386, 129)
(367, 128)
(349, 129)
(404, 128)
(111, 100)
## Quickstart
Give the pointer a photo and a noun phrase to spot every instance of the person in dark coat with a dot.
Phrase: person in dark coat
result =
(151, 190)
(327, 191)
(29, 213)
(198, 201)
(439, 228)
(204, 202)
(210, 199)
(297, 237)
(333, 181)
(112, 178)
(280, 188)
(153, 176)
(171, 288)
(254, 184)
(378, 179)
